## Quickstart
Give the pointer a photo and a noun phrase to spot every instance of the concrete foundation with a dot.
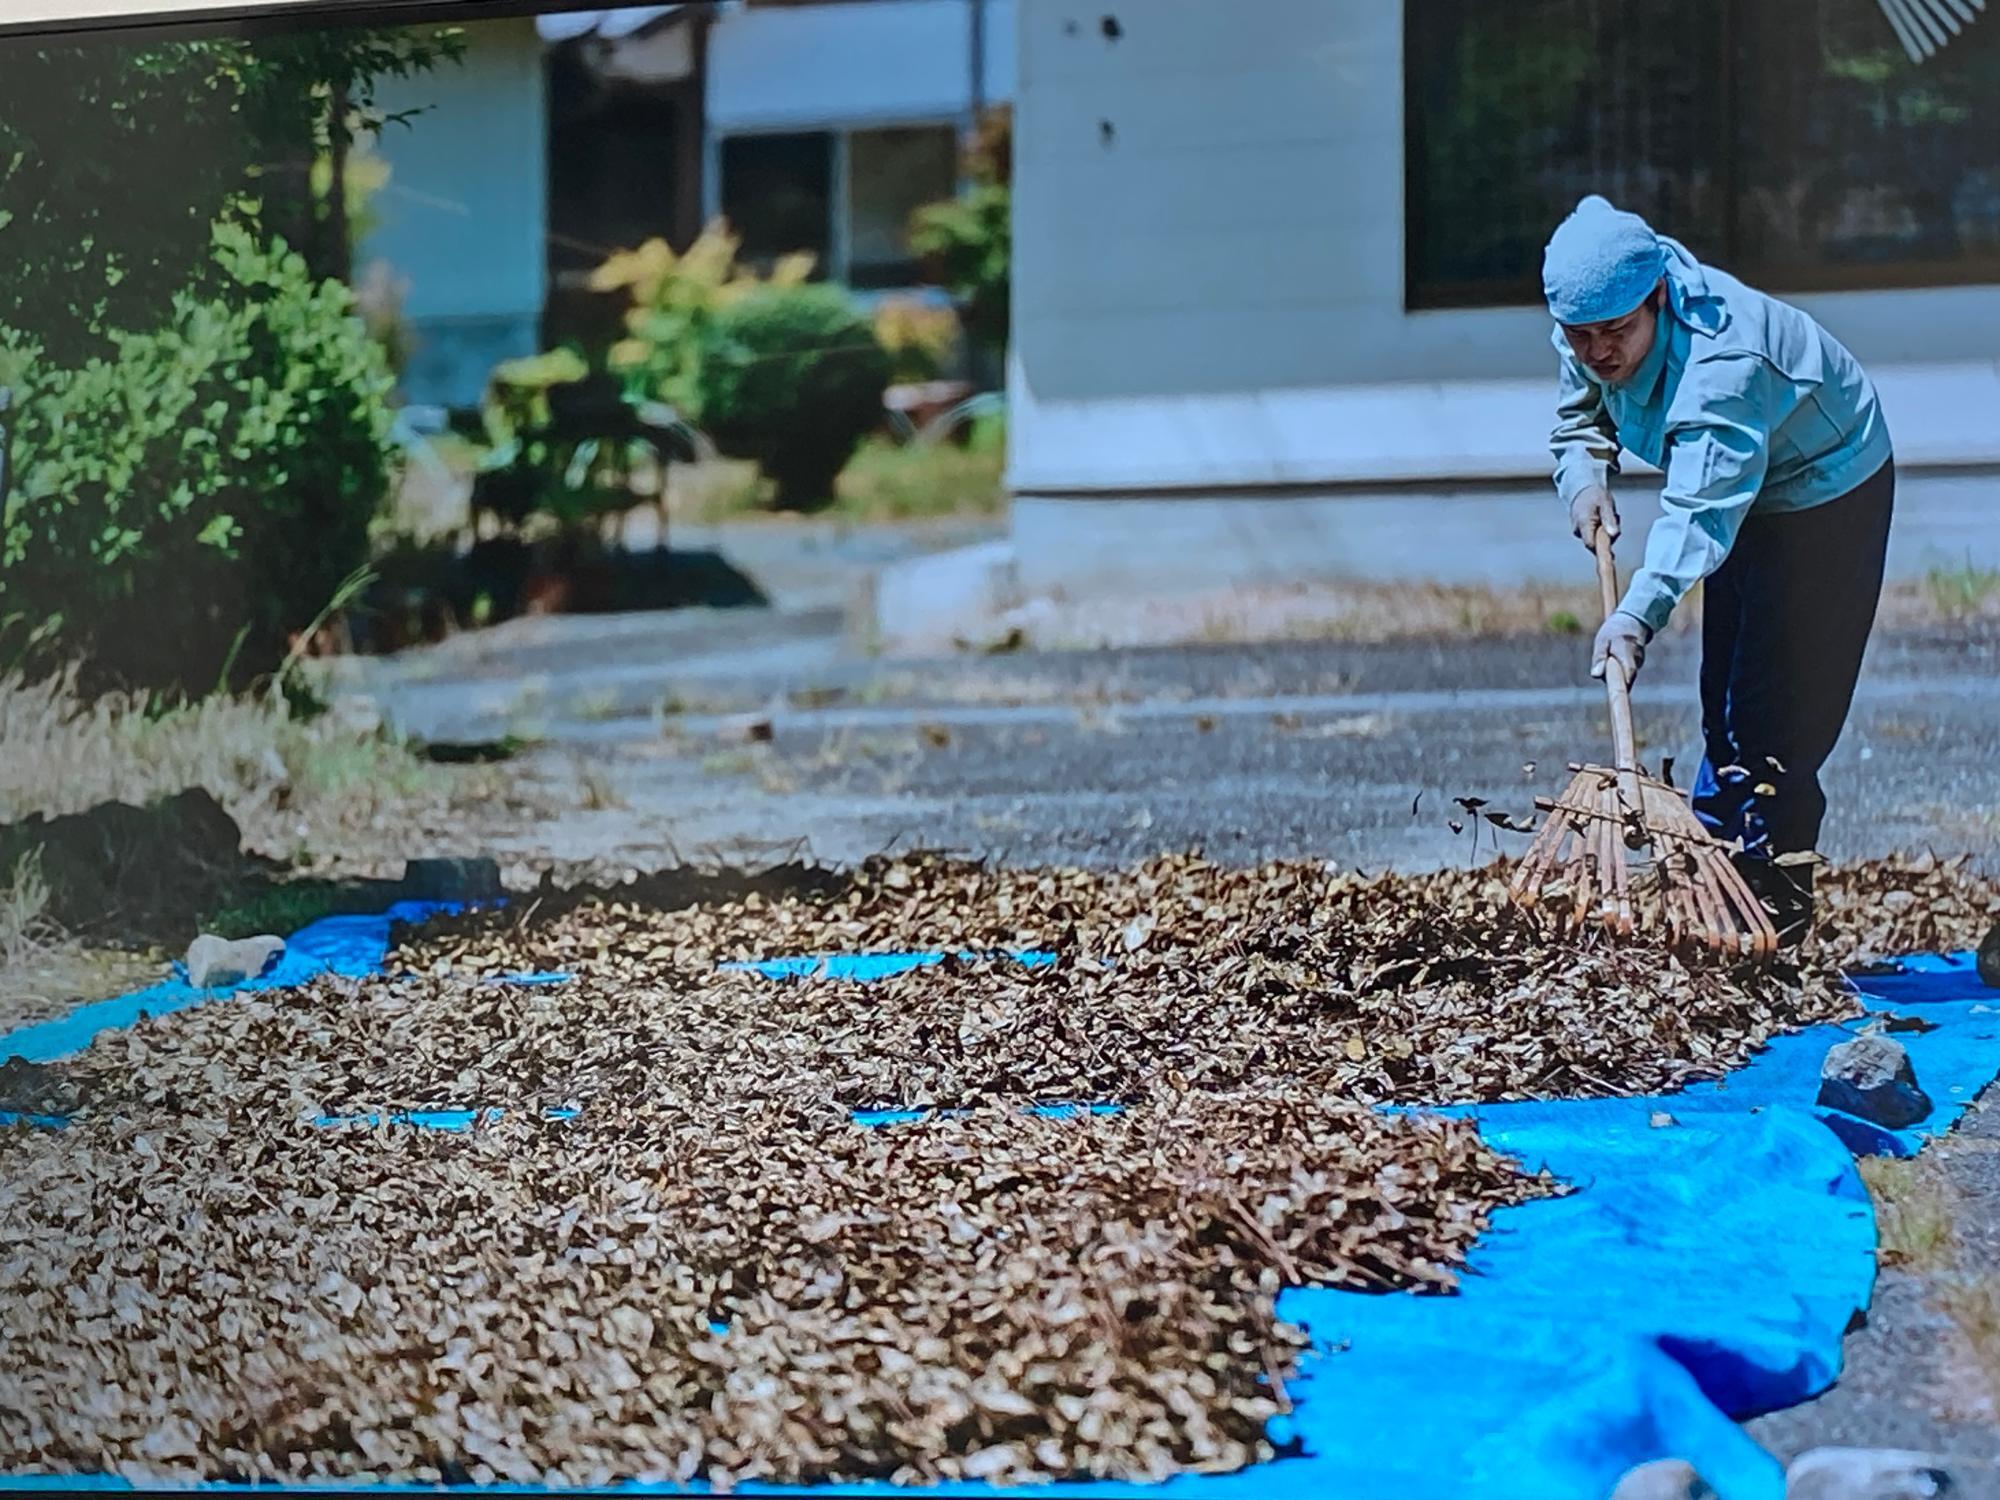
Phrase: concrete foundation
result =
(1503, 534)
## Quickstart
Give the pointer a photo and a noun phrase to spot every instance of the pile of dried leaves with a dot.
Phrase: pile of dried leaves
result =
(1421, 990)
(1891, 908)
(674, 1252)
(669, 1290)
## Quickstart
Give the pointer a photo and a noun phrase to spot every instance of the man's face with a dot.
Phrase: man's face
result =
(1614, 351)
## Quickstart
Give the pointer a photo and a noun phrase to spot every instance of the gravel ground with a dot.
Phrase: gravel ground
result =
(1325, 750)
(1908, 1381)
(1298, 750)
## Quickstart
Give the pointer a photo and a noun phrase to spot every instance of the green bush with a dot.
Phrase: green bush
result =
(180, 508)
(966, 244)
(794, 379)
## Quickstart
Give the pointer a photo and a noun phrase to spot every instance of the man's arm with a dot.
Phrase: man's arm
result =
(1717, 455)
(1584, 440)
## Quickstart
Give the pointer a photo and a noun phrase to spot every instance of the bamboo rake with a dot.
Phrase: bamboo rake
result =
(1581, 865)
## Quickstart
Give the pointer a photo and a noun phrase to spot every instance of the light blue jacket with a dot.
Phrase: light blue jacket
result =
(1747, 404)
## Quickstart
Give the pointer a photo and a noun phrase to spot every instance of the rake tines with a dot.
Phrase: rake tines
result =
(1581, 868)
(1693, 891)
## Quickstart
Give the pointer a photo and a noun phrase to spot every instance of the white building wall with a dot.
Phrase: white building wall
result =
(1209, 257)
(858, 63)
(462, 220)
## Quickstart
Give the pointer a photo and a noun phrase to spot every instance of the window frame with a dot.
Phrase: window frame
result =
(840, 184)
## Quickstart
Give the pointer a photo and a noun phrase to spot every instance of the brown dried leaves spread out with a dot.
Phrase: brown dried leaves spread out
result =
(198, 1280)
(1891, 908)
(1418, 990)
(995, 1295)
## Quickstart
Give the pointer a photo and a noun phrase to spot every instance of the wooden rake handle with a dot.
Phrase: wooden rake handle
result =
(1624, 743)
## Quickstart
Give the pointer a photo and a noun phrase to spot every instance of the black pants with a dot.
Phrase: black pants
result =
(1785, 620)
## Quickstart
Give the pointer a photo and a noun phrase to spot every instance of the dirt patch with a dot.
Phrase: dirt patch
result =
(142, 873)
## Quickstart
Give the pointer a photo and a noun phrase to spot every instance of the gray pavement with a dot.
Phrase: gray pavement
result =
(1907, 1380)
(1314, 750)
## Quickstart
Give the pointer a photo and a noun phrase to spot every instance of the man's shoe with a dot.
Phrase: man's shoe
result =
(1785, 892)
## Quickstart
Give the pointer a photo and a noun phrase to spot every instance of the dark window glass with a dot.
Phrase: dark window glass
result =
(1856, 166)
(1792, 141)
(777, 192)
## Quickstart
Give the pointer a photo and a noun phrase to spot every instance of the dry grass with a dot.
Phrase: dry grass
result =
(1913, 1211)
(60, 753)
(1968, 592)
(1363, 612)
(1916, 1213)
(43, 969)
(596, 792)
(1356, 611)
(312, 791)
(883, 482)
(24, 902)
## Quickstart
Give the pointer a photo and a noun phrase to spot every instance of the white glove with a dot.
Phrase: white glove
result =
(1624, 637)
(1591, 509)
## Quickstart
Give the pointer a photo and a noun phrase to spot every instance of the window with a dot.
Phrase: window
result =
(891, 174)
(777, 193)
(846, 196)
(1791, 141)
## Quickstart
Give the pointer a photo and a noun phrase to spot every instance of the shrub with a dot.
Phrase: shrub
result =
(920, 338)
(555, 440)
(795, 381)
(967, 245)
(677, 300)
(176, 510)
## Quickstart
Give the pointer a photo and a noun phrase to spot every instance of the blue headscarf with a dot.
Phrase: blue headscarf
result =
(1602, 262)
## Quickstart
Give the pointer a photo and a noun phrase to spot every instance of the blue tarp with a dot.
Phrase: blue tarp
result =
(334, 945)
(1717, 1247)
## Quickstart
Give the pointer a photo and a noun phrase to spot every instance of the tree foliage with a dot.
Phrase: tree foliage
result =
(178, 506)
(118, 158)
(967, 243)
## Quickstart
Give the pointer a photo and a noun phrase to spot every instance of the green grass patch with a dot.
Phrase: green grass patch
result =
(1965, 592)
(1913, 1211)
(884, 481)
(283, 907)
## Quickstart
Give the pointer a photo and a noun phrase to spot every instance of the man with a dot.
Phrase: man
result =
(1779, 486)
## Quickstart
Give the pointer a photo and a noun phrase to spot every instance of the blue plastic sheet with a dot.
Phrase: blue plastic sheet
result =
(334, 945)
(866, 967)
(1705, 1270)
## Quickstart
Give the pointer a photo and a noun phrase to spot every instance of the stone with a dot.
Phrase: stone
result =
(475, 878)
(746, 729)
(1867, 1474)
(1989, 958)
(941, 598)
(1871, 1077)
(215, 963)
(1663, 1479)
(357, 714)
